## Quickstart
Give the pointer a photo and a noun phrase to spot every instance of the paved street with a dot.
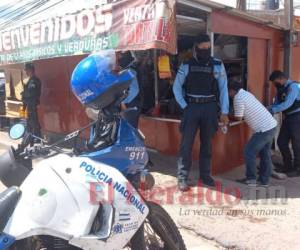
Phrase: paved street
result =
(235, 216)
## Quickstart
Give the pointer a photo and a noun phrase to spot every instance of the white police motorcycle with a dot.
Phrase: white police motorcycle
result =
(82, 198)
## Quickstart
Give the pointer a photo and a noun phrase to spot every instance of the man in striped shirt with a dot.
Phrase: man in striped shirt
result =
(260, 120)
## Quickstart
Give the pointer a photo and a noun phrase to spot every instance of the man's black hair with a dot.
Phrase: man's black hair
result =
(29, 66)
(277, 74)
(202, 38)
(235, 85)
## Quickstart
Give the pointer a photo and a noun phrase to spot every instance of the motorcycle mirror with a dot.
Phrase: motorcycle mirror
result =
(17, 131)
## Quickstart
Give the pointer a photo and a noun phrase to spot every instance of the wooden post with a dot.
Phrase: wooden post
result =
(211, 34)
(288, 36)
(156, 78)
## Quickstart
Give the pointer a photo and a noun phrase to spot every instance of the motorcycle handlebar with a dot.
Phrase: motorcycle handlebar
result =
(44, 150)
(24, 151)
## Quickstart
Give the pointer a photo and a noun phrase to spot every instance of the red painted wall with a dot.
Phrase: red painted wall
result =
(296, 64)
(224, 23)
(60, 111)
(227, 149)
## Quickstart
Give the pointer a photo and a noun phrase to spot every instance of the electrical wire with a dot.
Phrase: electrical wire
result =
(8, 6)
(20, 12)
(23, 13)
(17, 10)
(47, 8)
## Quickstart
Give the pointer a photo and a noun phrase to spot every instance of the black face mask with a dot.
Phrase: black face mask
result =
(278, 85)
(203, 54)
(125, 60)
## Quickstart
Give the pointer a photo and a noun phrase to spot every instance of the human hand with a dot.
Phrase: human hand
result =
(224, 119)
(123, 106)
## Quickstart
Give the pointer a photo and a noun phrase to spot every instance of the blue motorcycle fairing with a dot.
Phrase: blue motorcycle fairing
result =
(6, 241)
(128, 154)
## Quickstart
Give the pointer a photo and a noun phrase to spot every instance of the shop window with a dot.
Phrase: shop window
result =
(168, 105)
(232, 50)
(144, 68)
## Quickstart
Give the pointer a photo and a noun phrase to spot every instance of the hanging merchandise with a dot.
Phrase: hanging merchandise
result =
(23, 112)
(164, 67)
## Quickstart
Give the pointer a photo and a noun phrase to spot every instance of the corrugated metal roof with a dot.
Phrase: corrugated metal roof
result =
(239, 13)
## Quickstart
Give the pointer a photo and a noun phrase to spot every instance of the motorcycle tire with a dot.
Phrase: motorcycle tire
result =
(163, 226)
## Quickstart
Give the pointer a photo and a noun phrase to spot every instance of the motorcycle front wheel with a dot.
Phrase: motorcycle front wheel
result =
(159, 232)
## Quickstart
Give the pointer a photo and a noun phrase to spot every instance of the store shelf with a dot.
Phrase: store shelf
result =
(13, 102)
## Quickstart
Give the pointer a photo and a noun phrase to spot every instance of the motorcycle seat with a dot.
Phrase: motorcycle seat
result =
(8, 202)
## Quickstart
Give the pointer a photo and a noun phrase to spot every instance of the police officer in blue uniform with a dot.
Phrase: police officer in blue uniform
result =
(133, 100)
(287, 101)
(200, 85)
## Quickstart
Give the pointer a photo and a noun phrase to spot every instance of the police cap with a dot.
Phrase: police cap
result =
(29, 66)
(202, 38)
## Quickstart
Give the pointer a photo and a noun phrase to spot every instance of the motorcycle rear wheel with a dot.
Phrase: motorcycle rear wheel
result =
(159, 232)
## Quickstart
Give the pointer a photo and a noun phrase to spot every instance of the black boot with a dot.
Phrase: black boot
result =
(286, 170)
(295, 173)
(207, 181)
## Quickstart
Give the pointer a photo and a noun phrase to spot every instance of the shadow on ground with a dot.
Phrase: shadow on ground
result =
(278, 189)
(234, 215)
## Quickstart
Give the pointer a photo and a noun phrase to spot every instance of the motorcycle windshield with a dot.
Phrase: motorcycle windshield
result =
(128, 154)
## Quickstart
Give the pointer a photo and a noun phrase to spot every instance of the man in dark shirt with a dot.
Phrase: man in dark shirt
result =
(31, 99)
(200, 84)
(133, 100)
(287, 101)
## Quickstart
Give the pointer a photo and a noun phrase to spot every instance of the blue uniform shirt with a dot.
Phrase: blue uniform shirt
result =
(220, 75)
(133, 89)
(292, 95)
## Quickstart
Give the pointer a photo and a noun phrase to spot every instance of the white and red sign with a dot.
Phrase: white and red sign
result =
(120, 25)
